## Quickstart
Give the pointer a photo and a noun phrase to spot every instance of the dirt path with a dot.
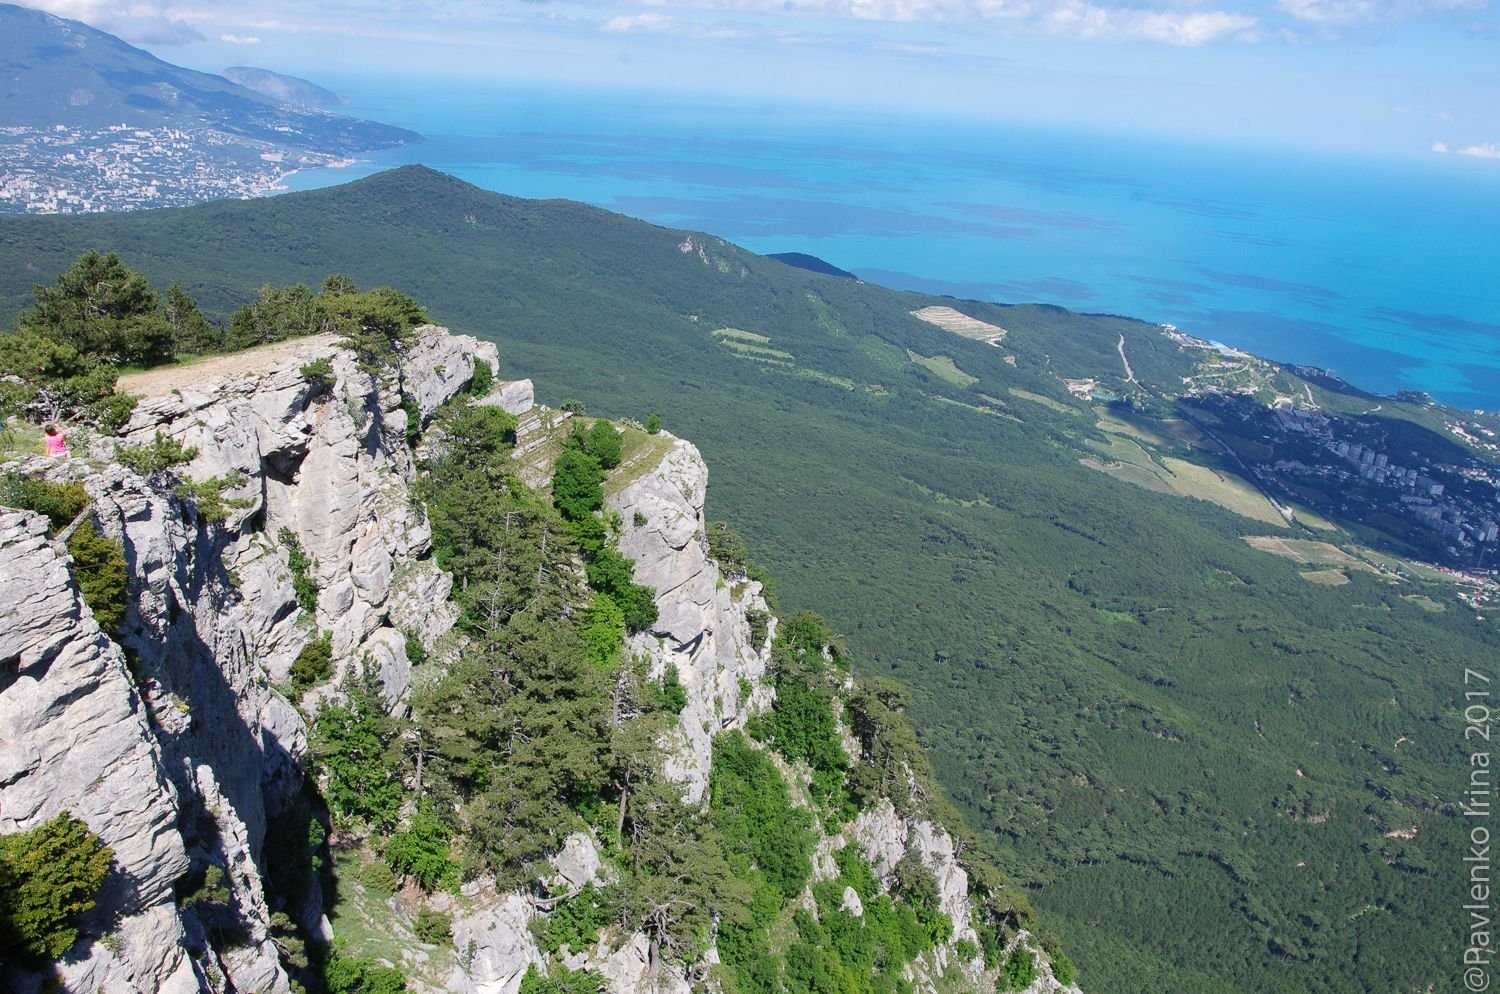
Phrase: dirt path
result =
(154, 382)
(1129, 373)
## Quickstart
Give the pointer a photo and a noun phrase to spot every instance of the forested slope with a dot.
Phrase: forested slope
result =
(1218, 775)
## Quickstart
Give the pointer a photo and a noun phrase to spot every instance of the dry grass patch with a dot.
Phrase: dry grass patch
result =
(1425, 603)
(1326, 577)
(640, 453)
(1133, 464)
(959, 323)
(165, 379)
(1046, 402)
(1223, 489)
(1305, 551)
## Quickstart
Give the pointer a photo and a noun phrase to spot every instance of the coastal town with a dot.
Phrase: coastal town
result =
(60, 170)
(1432, 484)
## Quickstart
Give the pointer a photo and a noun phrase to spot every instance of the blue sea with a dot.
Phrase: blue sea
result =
(1387, 272)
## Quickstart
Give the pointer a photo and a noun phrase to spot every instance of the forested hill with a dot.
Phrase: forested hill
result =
(1222, 746)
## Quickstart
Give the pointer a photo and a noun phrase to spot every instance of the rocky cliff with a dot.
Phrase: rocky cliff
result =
(176, 742)
(177, 759)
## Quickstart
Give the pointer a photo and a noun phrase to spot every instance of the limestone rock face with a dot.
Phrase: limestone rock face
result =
(885, 836)
(75, 736)
(702, 627)
(515, 397)
(502, 948)
(577, 863)
(185, 764)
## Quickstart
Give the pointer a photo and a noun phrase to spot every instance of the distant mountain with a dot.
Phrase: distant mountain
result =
(812, 264)
(89, 123)
(56, 71)
(288, 89)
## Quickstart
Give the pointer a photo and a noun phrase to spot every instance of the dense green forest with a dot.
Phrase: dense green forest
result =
(1216, 775)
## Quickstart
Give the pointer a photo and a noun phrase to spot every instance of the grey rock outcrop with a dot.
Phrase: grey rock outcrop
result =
(703, 627)
(499, 947)
(885, 837)
(184, 764)
(515, 397)
(75, 736)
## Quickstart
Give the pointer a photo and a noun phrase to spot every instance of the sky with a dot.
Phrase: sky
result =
(1383, 78)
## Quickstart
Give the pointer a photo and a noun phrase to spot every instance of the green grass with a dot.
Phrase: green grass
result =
(944, 368)
(640, 453)
(20, 440)
(1046, 402)
(368, 928)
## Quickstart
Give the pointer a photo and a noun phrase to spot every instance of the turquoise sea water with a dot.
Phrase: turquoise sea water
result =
(1388, 272)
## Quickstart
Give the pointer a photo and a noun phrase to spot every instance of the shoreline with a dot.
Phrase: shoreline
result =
(1339, 334)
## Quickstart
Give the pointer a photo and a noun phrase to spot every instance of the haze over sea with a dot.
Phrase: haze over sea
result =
(1386, 271)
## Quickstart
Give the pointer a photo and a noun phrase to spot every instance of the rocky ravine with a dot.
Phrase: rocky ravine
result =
(175, 747)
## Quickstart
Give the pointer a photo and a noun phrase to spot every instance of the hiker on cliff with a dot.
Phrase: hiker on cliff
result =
(56, 440)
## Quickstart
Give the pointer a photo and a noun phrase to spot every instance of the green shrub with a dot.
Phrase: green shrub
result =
(760, 626)
(653, 424)
(413, 420)
(49, 876)
(111, 412)
(433, 927)
(313, 665)
(318, 374)
(377, 878)
(1019, 971)
(603, 443)
(343, 974)
(60, 502)
(611, 573)
(673, 696)
(207, 496)
(575, 923)
(350, 741)
(161, 453)
(966, 949)
(604, 631)
(420, 850)
(750, 806)
(483, 379)
(1062, 966)
(99, 567)
(561, 980)
(206, 887)
(577, 485)
(416, 652)
(727, 549)
(301, 565)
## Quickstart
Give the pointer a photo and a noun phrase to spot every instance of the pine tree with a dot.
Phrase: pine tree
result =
(49, 876)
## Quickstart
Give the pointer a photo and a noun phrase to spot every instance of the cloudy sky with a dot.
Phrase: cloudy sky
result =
(1385, 77)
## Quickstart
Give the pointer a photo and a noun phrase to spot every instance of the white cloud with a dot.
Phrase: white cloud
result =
(240, 39)
(654, 23)
(1488, 150)
(640, 22)
(1332, 13)
(1087, 21)
(1441, 148)
(141, 23)
(1071, 19)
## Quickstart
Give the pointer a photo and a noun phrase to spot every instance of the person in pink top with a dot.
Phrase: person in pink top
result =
(56, 439)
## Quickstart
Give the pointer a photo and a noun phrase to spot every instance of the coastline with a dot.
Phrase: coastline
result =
(1323, 272)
